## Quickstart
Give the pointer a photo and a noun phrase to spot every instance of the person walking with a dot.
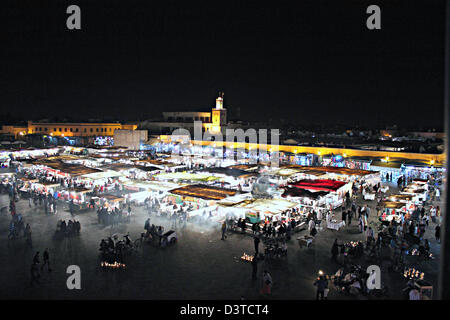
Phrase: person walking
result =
(36, 258)
(46, 262)
(367, 212)
(224, 230)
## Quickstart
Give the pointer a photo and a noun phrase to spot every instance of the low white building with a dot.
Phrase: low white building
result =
(131, 139)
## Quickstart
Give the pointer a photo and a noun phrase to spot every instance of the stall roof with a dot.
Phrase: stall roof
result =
(412, 190)
(102, 175)
(159, 163)
(246, 167)
(288, 171)
(272, 206)
(399, 197)
(392, 204)
(186, 176)
(237, 173)
(71, 169)
(296, 192)
(204, 192)
(78, 190)
(25, 179)
(147, 168)
(63, 158)
(48, 183)
(111, 197)
(336, 170)
(123, 166)
(319, 185)
(153, 185)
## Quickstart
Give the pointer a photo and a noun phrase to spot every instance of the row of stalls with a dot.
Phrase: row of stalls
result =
(400, 206)
(10, 158)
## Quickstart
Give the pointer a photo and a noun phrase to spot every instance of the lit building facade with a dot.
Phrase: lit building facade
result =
(86, 129)
(214, 121)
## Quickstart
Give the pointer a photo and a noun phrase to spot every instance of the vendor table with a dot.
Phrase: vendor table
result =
(333, 224)
(300, 226)
(425, 289)
(369, 196)
(305, 241)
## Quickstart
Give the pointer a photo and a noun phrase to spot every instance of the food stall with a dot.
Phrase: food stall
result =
(418, 191)
(336, 190)
(392, 211)
(256, 209)
(102, 178)
(197, 196)
(76, 195)
(109, 201)
(142, 189)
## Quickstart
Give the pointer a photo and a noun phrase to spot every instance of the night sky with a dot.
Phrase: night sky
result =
(305, 61)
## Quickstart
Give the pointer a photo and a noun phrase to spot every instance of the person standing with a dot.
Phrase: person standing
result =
(224, 230)
(321, 284)
(437, 233)
(34, 272)
(256, 242)
(361, 225)
(334, 251)
(433, 214)
(254, 268)
(311, 225)
(370, 234)
(267, 283)
(350, 216)
(27, 235)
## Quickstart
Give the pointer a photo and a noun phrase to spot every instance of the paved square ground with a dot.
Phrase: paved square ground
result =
(198, 266)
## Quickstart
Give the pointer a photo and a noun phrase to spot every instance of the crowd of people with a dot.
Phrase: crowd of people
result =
(68, 229)
(114, 216)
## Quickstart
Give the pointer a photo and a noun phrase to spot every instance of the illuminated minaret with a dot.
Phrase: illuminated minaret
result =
(219, 101)
(219, 114)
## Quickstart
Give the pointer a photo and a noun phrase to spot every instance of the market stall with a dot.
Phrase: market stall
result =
(336, 190)
(392, 211)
